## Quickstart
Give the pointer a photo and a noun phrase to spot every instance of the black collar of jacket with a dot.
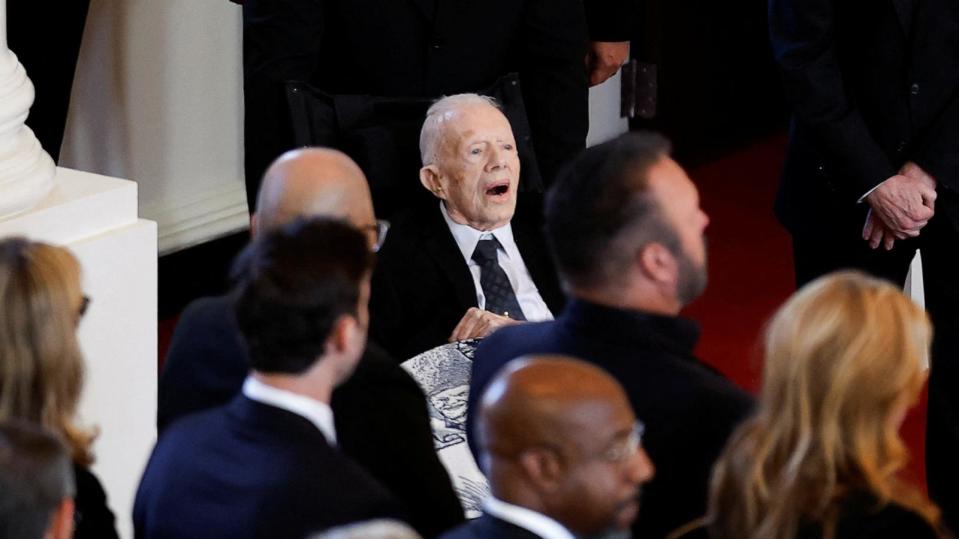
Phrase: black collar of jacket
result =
(672, 333)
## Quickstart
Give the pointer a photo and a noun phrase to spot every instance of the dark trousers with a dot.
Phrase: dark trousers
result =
(820, 253)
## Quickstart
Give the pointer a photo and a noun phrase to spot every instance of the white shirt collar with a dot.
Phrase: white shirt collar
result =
(527, 519)
(467, 237)
(318, 413)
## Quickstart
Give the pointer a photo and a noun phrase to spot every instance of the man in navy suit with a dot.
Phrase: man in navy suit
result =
(267, 464)
(626, 230)
(381, 412)
(562, 449)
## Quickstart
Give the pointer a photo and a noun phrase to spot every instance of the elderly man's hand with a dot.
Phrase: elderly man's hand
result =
(477, 323)
(876, 233)
(604, 59)
(904, 203)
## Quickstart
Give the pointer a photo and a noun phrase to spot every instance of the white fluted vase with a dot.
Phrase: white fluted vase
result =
(26, 170)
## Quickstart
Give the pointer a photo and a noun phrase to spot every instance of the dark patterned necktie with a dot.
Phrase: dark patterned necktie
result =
(500, 297)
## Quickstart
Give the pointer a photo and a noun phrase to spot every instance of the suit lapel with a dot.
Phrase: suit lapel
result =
(442, 248)
(904, 11)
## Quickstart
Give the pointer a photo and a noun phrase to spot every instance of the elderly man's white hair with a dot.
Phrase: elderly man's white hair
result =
(370, 529)
(439, 112)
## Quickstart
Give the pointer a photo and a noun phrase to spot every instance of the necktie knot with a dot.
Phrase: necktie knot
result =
(485, 251)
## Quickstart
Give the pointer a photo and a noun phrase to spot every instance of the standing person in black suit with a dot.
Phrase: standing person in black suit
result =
(461, 270)
(562, 449)
(423, 49)
(267, 464)
(872, 167)
(626, 229)
(380, 412)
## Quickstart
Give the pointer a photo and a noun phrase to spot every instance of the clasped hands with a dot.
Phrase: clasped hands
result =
(900, 207)
(477, 323)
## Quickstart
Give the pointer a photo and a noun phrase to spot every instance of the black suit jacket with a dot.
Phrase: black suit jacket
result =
(250, 470)
(91, 516)
(489, 527)
(422, 286)
(415, 48)
(873, 84)
(380, 412)
(689, 409)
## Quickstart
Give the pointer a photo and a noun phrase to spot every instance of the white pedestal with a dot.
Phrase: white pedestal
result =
(96, 217)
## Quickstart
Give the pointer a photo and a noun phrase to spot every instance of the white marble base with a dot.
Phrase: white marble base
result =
(96, 217)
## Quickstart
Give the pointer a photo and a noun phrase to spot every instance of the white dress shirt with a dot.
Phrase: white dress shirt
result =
(318, 413)
(466, 237)
(527, 519)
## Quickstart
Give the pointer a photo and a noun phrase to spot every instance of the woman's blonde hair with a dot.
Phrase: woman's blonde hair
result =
(843, 357)
(41, 367)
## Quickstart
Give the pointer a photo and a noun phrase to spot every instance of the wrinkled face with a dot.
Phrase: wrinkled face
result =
(604, 474)
(452, 402)
(679, 200)
(477, 168)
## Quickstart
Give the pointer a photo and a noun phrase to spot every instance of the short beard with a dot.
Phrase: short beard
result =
(692, 279)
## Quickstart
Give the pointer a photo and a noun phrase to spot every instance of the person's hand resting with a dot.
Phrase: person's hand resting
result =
(604, 59)
(900, 207)
(477, 323)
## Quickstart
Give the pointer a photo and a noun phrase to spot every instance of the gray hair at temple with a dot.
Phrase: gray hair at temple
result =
(36, 476)
(438, 113)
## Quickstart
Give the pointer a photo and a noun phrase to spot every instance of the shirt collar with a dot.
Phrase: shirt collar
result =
(467, 237)
(318, 413)
(527, 519)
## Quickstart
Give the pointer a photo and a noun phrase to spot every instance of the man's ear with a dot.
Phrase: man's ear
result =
(342, 334)
(658, 263)
(61, 524)
(430, 178)
(543, 468)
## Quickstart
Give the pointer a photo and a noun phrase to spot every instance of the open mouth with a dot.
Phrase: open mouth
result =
(498, 189)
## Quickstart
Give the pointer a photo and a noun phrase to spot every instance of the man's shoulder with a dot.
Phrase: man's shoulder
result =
(207, 309)
(413, 228)
(518, 338)
(488, 526)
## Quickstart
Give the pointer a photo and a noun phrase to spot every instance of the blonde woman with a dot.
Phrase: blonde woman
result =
(821, 455)
(41, 368)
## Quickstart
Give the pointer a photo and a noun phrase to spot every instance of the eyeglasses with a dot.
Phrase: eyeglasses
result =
(380, 229)
(627, 448)
(84, 304)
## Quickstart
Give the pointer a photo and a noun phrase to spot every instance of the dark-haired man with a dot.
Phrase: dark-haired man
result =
(266, 464)
(626, 230)
(380, 412)
(563, 452)
(37, 486)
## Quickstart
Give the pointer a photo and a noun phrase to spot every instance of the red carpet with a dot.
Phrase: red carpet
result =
(751, 272)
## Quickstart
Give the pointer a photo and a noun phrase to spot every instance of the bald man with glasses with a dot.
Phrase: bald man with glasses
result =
(562, 449)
